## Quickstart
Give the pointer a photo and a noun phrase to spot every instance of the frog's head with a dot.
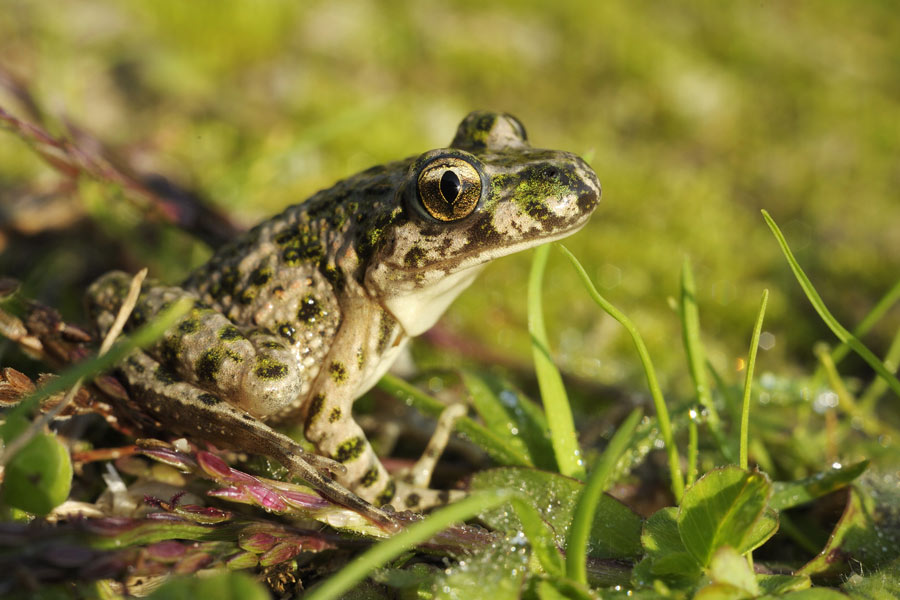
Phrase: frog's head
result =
(488, 195)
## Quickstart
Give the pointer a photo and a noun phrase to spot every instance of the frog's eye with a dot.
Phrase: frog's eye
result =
(449, 188)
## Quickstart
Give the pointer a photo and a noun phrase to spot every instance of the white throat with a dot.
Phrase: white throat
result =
(419, 309)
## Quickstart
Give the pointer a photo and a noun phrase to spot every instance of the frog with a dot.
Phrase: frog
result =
(294, 320)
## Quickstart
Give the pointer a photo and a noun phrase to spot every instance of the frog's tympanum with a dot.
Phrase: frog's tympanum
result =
(305, 312)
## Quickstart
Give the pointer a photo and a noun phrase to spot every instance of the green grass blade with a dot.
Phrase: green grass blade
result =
(748, 380)
(659, 404)
(496, 446)
(553, 392)
(696, 355)
(577, 538)
(872, 393)
(874, 315)
(839, 330)
(693, 443)
(383, 552)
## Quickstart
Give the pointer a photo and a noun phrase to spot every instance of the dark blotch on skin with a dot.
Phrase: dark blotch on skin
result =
(315, 407)
(261, 276)
(413, 500)
(267, 368)
(369, 478)
(247, 296)
(309, 310)
(338, 372)
(163, 375)
(385, 328)
(209, 399)
(350, 450)
(189, 326)
(387, 495)
(287, 331)
(483, 232)
(414, 257)
(229, 333)
(207, 366)
(335, 415)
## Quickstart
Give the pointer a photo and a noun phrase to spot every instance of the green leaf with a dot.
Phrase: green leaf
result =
(789, 494)
(883, 584)
(729, 567)
(721, 509)
(222, 586)
(38, 478)
(781, 584)
(511, 416)
(616, 529)
(541, 537)
(865, 536)
(816, 593)
(498, 572)
(666, 558)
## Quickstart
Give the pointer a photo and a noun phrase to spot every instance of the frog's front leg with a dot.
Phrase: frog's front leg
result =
(372, 338)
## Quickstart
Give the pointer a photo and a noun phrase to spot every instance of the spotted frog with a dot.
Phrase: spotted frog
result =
(304, 313)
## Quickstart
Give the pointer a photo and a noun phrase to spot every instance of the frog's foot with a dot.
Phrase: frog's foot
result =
(412, 491)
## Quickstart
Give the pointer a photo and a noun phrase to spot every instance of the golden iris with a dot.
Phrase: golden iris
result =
(449, 188)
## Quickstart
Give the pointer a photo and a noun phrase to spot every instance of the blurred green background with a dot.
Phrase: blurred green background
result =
(695, 115)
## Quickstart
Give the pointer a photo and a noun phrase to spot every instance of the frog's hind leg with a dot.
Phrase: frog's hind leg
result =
(412, 484)
(188, 410)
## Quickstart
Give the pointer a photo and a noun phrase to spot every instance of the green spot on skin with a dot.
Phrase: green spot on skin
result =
(207, 366)
(350, 450)
(229, 333)
(191, 325)
(261, 276)
(412, 500)
(335, 415)
(309, 309)
(315, 407)
(370, 478)
(387, 495)
(267, 368)
(338, 372)
(248, 295)
(360, 359)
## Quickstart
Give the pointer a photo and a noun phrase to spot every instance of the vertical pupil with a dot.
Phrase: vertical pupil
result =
(450, 186)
